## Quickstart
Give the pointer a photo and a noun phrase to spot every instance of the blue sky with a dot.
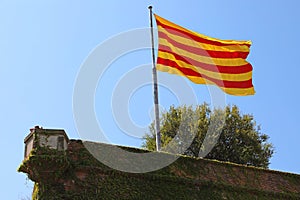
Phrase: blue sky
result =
(44, 43)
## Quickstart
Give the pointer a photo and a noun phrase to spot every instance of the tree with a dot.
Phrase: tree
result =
(224, 135)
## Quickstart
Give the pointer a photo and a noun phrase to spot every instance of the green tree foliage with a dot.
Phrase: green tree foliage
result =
(239, 140)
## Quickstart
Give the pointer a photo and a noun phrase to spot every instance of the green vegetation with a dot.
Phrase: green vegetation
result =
(240, 140)
(76, 174)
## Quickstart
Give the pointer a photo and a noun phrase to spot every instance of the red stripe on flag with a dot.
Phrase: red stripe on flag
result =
(203, 52)
(220, 83)
(213, 68)
(186, 34)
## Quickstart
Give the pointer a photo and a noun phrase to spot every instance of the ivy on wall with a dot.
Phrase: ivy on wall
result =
(76, 174)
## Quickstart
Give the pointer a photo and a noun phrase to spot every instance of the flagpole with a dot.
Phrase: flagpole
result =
(155, 88)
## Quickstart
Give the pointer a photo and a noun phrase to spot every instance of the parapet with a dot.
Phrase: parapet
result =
(71, 172)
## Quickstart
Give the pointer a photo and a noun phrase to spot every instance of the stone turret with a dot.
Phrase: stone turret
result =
(50, 138)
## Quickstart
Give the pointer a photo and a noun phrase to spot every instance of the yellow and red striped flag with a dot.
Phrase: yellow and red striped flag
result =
(204, 60)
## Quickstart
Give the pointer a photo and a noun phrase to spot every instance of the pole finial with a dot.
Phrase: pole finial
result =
(150, 7)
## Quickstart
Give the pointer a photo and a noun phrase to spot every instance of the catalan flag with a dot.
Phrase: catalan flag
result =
(204, 60)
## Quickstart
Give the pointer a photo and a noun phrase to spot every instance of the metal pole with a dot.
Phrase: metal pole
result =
(155, 88)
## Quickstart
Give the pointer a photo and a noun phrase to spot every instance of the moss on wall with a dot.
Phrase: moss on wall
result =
(76, 174)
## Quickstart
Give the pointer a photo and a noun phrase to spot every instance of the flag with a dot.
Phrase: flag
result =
(204, 60)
